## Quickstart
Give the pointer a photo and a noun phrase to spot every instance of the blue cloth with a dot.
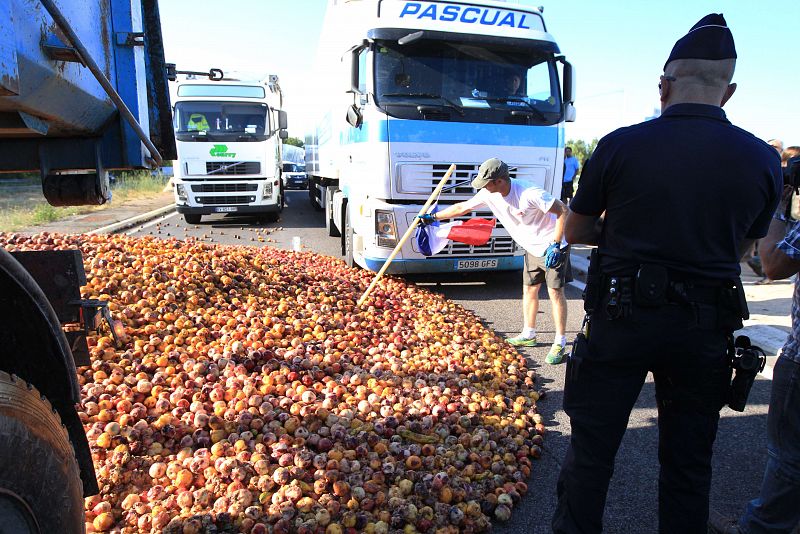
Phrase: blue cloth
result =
(776, 508)
(425, 235)
(791, 247)
(571, 167)
(667, 202)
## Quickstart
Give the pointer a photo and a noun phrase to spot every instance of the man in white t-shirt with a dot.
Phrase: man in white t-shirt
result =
(535, 220)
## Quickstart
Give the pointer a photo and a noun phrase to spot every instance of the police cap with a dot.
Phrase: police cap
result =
(710, 38)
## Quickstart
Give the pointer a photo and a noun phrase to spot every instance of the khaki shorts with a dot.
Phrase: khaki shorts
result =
(534, 272)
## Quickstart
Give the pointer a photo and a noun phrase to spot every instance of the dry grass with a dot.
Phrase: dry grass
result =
(22, 204)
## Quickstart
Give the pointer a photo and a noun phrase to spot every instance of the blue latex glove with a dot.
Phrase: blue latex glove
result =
(426, 219)
(553, 256)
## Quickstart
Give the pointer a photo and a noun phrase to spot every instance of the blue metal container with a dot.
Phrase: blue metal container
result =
(83, 87)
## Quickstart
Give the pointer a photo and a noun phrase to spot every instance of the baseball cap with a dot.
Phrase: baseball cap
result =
(488, 171)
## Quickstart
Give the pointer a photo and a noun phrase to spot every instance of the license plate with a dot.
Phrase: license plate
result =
(465, 265)
(226, 209)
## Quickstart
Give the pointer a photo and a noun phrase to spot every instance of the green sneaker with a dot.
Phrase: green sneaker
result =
(556, 354)
(520, 341)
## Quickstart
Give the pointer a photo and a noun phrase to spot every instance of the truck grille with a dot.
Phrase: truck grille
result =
(496, 246)
(228, 168)
(422, 178)
(224, 188)
(226, 200)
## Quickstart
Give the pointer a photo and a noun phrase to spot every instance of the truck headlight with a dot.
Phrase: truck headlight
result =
(385, 229)
(180, 190)
(267, 189)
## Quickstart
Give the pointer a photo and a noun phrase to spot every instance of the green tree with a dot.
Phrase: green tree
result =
(294, 141)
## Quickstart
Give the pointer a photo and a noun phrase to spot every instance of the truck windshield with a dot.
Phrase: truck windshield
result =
(466, 82)
(221, 121)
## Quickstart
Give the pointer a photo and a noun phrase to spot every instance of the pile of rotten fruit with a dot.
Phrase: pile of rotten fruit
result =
(252, 394)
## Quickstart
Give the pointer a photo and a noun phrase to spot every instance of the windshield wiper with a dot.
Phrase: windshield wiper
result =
(447, 101)
(507, 99)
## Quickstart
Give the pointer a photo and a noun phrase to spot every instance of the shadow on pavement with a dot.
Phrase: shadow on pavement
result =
(632, 506)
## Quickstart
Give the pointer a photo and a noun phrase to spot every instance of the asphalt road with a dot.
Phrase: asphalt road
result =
(740, 450)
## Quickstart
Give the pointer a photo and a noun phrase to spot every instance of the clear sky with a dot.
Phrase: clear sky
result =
(618, 48)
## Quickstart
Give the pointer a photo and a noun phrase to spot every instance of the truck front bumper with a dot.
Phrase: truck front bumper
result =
(245, 210)
(442, 265)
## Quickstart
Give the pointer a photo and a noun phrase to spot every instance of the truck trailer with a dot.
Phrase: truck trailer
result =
(83, 90)
(406, 89)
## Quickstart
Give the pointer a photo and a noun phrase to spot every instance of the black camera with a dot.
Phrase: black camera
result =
(791, 173)
(747, 361)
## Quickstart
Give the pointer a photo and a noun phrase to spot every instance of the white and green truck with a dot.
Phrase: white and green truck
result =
(229, 137)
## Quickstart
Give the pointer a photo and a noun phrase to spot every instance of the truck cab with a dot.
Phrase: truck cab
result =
(228, 136)
(423, 85)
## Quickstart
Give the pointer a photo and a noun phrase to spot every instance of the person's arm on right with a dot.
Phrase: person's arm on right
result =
(582, 229)
(587, 209)
(779, 250)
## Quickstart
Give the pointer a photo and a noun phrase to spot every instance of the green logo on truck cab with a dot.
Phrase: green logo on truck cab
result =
(221, 151)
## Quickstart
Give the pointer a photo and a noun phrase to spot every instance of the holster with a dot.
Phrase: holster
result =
(580, 350)
(732, 307)
(594, 283)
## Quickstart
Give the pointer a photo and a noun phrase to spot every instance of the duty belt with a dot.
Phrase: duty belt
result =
(705, 292)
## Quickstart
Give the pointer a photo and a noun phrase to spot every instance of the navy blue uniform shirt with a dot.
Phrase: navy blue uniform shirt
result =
(683, 191)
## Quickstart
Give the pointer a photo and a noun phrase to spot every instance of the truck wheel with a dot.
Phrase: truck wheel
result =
(348, 241)
(192, 218)
(40, 486)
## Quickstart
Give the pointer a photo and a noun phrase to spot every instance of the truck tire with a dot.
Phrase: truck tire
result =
(348, 240)
(192, 218)
(40, 485)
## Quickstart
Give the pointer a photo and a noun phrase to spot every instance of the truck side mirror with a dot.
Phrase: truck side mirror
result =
(569, 113)
(283, 121)
(357, 57)
(568, 91)
(354, 117)
(353, 72)
(283, 134)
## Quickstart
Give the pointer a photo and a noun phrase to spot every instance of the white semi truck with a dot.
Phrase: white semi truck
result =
(229, 135)
(407, 88)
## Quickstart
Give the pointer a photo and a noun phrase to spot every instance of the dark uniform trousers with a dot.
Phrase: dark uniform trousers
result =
(687, 353)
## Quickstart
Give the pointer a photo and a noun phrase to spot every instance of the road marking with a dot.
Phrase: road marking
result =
(152, 223)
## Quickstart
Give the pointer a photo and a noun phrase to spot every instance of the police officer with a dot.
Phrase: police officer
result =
(672, 204)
